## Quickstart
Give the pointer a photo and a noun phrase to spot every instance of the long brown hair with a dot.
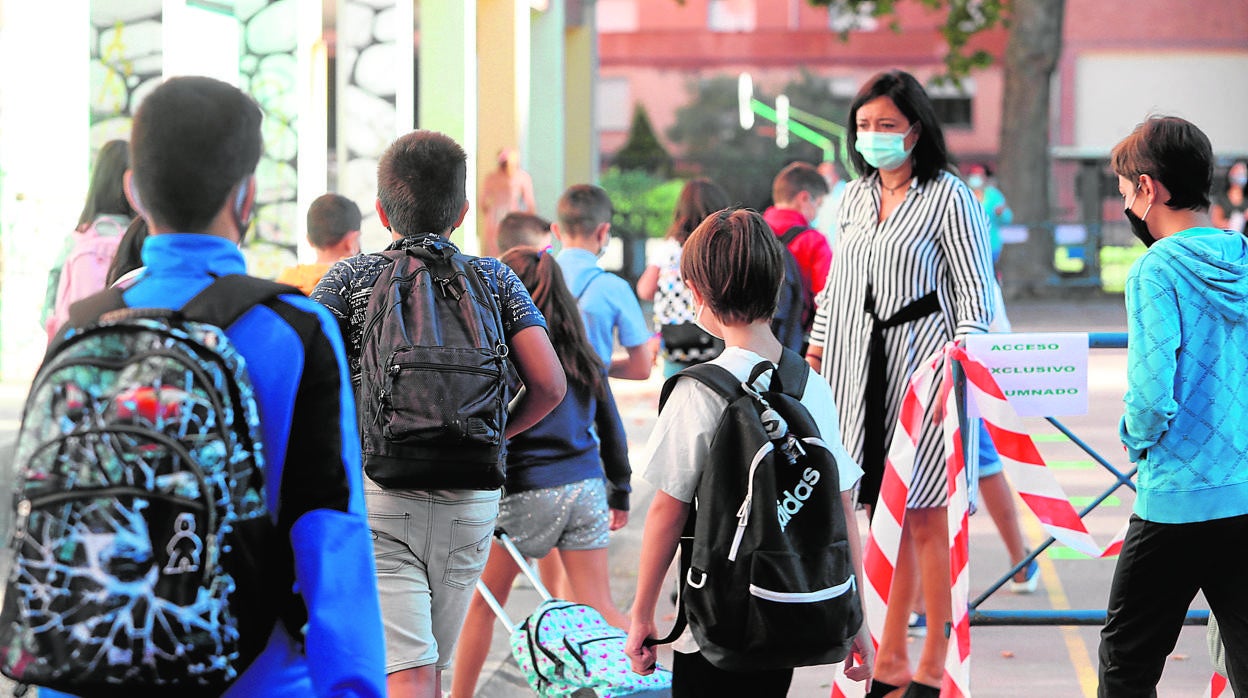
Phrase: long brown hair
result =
(540, 274)
(699, 198)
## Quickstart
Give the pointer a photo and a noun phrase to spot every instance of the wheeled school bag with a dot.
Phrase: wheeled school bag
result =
(796, 304)
(766, 576)
(569, 649)
(141, 510)
(433, 366)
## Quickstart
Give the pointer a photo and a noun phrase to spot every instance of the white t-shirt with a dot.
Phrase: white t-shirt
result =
(681, 440)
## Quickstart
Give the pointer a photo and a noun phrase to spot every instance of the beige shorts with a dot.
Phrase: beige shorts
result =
(430, 548)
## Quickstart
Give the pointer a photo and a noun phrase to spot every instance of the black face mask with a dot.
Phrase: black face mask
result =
(1138, 226)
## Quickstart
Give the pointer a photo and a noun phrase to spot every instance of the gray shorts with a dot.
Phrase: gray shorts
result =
(430, 548)
(567, 517)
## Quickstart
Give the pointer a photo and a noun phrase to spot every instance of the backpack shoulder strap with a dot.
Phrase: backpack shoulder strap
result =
(89, 309)
(791, 234)
(599, 272)
(226, 299)
(791, 375)
(716, 378)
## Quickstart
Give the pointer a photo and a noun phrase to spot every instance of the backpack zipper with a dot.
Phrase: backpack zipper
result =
(399, 366)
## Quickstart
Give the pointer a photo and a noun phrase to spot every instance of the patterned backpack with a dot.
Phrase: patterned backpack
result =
(140, 500)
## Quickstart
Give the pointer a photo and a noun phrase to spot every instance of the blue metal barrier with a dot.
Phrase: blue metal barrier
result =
(1096, 340)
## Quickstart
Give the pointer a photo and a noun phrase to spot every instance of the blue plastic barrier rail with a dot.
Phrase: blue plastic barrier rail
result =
(1096, 340)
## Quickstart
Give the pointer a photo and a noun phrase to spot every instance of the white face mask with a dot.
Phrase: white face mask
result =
(697, 320)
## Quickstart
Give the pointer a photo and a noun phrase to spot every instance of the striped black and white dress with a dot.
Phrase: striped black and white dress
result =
(935, 242)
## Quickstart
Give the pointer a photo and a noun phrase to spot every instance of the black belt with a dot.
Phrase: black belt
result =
(875, 448)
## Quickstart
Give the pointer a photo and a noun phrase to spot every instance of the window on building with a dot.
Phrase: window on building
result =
(732, 16)
(953, 103)
(616, 16)
(842, 17)
(614, 105)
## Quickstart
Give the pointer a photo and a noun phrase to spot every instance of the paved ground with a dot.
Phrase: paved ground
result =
(1007, 662)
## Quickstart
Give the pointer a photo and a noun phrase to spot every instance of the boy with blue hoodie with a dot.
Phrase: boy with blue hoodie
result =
(1187, 393)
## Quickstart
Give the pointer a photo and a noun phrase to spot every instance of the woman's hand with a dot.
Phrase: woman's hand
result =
(860, 663)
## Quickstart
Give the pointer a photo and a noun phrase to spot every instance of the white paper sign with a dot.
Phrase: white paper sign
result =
(1042, 374)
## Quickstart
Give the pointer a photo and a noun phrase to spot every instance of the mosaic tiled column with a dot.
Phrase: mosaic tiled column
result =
(268, 66)
(126, 58)
(375, 97)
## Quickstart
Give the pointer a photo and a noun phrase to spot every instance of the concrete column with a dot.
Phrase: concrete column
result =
(503, 49)
(44, 162)
(581, 60)
(545, 151)
(447, 93)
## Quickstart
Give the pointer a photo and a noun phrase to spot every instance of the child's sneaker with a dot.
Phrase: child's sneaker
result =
(1029, 584)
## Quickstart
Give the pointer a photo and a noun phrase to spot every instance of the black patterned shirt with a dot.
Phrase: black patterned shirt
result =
(345, 289)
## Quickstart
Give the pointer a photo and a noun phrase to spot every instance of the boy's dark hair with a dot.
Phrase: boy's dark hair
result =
(736, 263)
(521, 230)
(107, 194)
(1174, 152)
(582, 208)
(699, 198)
(930, 156)
(796, 178)
(183, 181)
(421, 183)
(330, 218)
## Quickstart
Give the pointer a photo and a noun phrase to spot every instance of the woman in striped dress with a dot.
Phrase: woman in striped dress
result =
(913, 270)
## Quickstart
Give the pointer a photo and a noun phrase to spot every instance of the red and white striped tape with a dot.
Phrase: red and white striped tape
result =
(1027, 471)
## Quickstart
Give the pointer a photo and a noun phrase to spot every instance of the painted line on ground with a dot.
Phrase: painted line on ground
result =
(1080, 658)
(1071, 464)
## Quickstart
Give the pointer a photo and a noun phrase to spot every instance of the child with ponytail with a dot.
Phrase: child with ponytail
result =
(556, 496)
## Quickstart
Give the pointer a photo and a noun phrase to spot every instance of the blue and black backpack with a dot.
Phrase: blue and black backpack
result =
(142, 540)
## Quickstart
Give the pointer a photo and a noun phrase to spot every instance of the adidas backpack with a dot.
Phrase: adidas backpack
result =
(795, 309)
(141, 507)
(766, 576)
(433, 367)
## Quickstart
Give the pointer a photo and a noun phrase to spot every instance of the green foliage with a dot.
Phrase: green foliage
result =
(643, 151)
(643, 202)
(744, 162)
(965, 18)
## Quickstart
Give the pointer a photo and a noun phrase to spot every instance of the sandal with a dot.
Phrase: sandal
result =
(879, 689)
(921, 690)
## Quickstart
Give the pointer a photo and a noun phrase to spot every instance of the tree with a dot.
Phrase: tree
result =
(744, 162)
(1031, 55)
(643, 151)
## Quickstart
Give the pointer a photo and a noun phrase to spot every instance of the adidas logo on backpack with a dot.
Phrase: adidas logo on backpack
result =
(768, 582)
(140, 489)
(791, 504)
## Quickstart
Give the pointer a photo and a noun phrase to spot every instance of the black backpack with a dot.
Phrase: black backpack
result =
(144, 548)
(795, 311)
(433, 367)
(766, 576)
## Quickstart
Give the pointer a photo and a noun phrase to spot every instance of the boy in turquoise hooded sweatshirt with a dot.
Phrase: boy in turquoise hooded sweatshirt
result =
(1186, 404)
